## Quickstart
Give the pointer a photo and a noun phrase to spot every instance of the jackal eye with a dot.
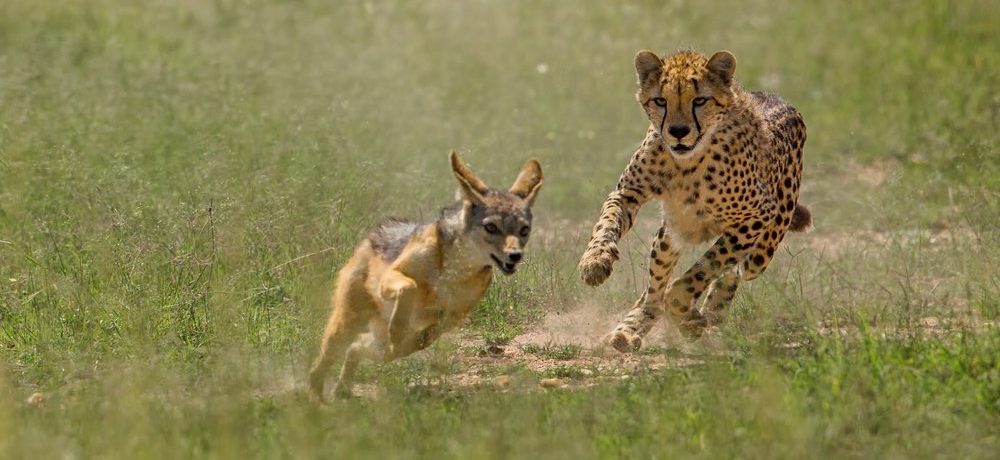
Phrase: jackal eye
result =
(491, 228)
(700, 101)
(525, 231)
(660, 101)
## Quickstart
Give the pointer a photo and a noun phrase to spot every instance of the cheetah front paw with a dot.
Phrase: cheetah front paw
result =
(595, 265)
(623, 341)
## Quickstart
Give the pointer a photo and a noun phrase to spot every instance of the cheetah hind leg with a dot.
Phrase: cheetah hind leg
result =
(684, 296)
(719, 298)
(724, 288)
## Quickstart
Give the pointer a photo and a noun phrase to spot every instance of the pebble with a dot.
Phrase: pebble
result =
(550, 383)
(502, 381)
(36, 399)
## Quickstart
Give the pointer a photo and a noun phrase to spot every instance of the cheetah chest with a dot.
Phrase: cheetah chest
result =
(686, 215)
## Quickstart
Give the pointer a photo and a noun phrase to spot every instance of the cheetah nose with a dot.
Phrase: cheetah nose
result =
(515, 256)
(678, 131)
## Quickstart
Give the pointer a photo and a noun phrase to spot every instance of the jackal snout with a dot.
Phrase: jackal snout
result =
(512, 251)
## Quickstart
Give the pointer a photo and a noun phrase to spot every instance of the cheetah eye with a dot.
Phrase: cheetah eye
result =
(525, 231)
(491, 228)
(660, 101)
(700, 101)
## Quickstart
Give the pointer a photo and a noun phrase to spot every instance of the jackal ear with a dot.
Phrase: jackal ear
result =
(722, 65)
(647, 67)
(471, 187)
(528, 181)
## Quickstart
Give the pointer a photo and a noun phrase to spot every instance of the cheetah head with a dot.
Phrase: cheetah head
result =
(685, 96)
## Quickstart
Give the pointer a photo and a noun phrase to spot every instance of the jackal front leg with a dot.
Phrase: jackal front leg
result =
(405, 294)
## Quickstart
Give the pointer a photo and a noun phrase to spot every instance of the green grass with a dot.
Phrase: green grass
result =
(553, 351)
(179, 182)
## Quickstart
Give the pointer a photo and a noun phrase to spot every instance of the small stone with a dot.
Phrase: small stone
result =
(494, 350)
(929, 321)
(586, 372)
(550, 383)
(501, 381)
(36, 399)
(940, 225)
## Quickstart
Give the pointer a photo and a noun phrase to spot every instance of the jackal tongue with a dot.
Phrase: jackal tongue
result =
(507, 268)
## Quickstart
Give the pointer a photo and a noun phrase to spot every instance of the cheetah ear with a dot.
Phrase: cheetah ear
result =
(647, 67)
(722, 65)
(471, 188)
(528, 181)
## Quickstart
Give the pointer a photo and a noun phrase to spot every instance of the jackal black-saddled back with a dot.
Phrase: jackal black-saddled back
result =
(391, 236)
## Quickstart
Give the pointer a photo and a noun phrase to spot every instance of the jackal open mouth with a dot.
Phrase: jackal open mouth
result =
(507, 268)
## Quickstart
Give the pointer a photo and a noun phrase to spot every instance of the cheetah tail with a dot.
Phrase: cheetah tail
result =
(802, 219)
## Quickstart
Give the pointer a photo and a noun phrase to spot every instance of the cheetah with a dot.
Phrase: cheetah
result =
(724, 163)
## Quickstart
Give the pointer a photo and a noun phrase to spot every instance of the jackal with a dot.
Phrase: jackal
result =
(409, 282)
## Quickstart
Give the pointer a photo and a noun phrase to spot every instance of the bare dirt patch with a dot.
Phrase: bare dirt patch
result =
(564, 350)
(941, 235)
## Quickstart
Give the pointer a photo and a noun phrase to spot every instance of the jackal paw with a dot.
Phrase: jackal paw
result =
(315, 390)
(595, 265)
(623, 341)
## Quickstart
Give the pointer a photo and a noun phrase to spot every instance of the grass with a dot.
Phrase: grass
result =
(179, 182)
(554, 351)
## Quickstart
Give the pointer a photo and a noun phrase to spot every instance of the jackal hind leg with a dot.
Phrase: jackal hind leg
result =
(340, 333)
(627, 336)
(367, 346)
(352, 308)
(416, 341)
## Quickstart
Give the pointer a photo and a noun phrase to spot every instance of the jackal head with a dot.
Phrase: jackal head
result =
(497, 222)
